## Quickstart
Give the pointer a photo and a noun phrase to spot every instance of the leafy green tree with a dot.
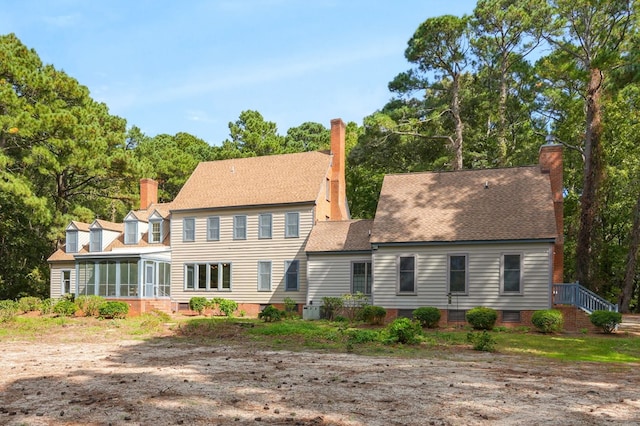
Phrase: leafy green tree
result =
(252, 136)
(308, 137)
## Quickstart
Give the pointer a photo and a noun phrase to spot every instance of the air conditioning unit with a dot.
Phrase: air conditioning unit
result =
(311, 312)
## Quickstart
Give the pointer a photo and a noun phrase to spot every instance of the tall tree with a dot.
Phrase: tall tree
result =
(441, 46)
(592, 31)
(251, 136)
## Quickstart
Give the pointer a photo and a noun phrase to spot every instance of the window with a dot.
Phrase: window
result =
(458, 273)
(407, 274)
(361, 277)
(72, 241)
(510, 316)
(95, 240)
(155, 234)
(264, 276)
(87, 276)
(292, 225)
(164, 279)
(188, 229)
(291, 268)
(207, 276)
(512, 273)
(128, 278)
(239, 227)
(264, 226)
(66, 282)
(456, 315)
(131, 232)
(107, 279)
(213, 228)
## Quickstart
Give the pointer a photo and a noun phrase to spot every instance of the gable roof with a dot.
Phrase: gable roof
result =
(344, 235)
(78, 226)
(516, 204)
(253, 181)
(108, 226)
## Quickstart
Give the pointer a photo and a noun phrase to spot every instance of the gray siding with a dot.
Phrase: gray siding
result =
(483, 277)
(56, 278)
(330, 274)
(242, 254)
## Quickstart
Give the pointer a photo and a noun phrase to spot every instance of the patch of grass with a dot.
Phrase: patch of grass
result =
(583, 348)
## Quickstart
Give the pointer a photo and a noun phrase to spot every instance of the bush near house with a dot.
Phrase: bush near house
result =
(482, 318)
(481, 341)
(113, 309)
(8, 310)
(428, 316)
(331, 307)
(198, 304)
(270, 314)
(29, 304)
(606, 320)
(226, 306)
(548, 320)
(403, 330)
(65, 308)
(90, 305)
(374, 315)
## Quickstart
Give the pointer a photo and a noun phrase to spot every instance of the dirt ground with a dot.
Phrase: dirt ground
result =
(109, 380)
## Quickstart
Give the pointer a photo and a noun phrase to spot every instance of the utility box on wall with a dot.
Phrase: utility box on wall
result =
(311, 312)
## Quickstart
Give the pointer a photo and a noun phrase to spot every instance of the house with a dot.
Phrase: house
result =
(237, 229)
(452, 240)
(260, 230)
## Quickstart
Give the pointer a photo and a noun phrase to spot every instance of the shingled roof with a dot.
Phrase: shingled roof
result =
(471, 205)
(344, 235)
(275, 179)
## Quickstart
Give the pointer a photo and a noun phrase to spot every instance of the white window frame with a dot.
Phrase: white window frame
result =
(399, 290)
(265, 225)
(64, 281)
(502, 274)
(130, 235)
(287, 265)
(72, 242)
(466, 274)
(188, 229)
(368, 276)
(239, 232)
(95, 240)
(213, 228)
(292, 225)
(264, 277)
(195, 273)
(152, 239)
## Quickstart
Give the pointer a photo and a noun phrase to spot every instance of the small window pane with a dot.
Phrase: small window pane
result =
(202, 277)
(291, 275)
(264, 229)
(156, 232)
(264, 276)
(240, 227)
(292, 220)
(72, 241)
(189, 229)
(226, 276)
(407, 274)
(458, 274)
(130, 232)
(214, 278)
(511, 273)
(213, 228)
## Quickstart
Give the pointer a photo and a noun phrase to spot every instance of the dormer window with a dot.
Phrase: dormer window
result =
(155, 231)
(130, 232)
(72, 242)
(95, 240)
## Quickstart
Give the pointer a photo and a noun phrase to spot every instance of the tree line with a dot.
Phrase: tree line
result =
(482, 90)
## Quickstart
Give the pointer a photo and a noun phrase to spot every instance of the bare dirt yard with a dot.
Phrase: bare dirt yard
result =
(107, 379)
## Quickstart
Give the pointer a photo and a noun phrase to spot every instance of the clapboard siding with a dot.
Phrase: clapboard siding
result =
(242, 254)
(330, 274)
(56, 278)
(483, 276)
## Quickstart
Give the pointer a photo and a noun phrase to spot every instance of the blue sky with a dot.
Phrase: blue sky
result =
(194, 65)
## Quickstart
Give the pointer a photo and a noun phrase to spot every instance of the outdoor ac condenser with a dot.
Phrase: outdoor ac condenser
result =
(311, 312)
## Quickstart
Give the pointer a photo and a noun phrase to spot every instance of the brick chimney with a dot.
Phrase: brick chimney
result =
(148, 193)
(550, 159)
(338, 185)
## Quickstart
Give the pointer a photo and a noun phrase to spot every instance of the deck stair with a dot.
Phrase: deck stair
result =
(576, 295)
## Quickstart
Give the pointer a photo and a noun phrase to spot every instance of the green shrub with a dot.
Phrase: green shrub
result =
(403, 330)
(270, 314)
(331, 306)
(606, 320)
(90, 305)
(374, 314)
(8, 310)
(226, 306)
(290, 307)
(113, 309)
(355, 336)
(352, 305)
(481, 341)
(29, 304)
(548, 320)
(482, 318)
(198, 304)
(65, 308)
(46, 307)
(428, 316)
(340, 318)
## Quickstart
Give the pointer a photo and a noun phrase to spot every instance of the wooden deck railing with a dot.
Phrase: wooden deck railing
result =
(577, 295)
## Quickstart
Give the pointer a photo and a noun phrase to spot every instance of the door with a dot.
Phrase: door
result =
(149, 279)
